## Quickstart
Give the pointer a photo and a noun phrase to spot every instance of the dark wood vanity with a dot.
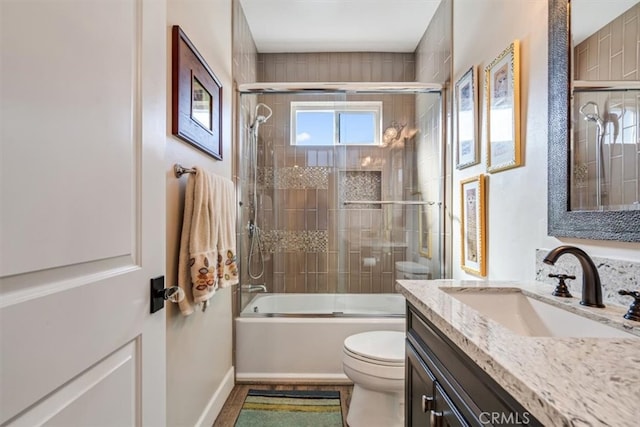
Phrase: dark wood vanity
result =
(444, 387)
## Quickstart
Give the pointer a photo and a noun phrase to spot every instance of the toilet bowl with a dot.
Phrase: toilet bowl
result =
(374, 361)
(412, 271)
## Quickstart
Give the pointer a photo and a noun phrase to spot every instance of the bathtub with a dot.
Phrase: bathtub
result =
(299, 337)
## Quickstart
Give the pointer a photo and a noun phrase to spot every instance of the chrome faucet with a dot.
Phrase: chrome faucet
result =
(254, 288)
(591, 286)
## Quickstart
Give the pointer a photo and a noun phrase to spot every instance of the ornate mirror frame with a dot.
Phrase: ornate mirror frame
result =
(562, 222)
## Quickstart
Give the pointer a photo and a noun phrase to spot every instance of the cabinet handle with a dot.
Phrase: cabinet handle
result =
(435, 419)
(427, 403)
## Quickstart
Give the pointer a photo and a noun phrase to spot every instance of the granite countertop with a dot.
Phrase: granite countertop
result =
(561, 381)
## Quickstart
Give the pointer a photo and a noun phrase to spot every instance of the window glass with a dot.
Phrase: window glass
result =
(357, 127)
(315, 127)
(317, 123)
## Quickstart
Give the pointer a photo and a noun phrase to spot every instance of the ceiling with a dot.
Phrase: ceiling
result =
(338, 25)
(588, 16)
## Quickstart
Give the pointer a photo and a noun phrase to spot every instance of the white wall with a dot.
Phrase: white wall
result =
(517, 198)
(199, 347)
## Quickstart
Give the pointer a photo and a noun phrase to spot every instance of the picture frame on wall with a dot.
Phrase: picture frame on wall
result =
(473, 225)
(424, 232)
(196, 97)
(502, 93)
(466, 119)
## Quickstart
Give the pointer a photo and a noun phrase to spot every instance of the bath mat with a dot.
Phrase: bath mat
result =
(290, 408)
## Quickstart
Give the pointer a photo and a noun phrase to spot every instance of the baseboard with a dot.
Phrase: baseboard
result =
(216, 402)
(284, 378)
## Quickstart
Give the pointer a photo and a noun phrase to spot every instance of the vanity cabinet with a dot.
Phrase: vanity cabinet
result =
(444, 387)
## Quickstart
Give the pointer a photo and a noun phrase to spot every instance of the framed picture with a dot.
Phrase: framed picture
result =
(424, 232)
(196, 97)
(466, 119)
(472, 202)
(502, 90)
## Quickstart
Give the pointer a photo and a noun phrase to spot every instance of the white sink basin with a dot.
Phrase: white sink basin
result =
(530, 317)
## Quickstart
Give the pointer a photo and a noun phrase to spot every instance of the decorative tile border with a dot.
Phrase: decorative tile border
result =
(277, 241)
(361, 185)
(286, 178)
(614, 274)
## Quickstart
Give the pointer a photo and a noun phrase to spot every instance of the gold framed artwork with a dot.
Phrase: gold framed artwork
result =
(473, 225)
(502, 93)
(466, 119)
(424, 233)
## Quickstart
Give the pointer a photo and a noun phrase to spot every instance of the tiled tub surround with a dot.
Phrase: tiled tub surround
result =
(614, 274)
(561, 381)
(313, 243)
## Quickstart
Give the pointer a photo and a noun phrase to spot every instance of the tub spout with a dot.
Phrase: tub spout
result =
(255, 288)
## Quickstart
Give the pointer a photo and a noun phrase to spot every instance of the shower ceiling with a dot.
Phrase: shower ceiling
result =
(338, 25)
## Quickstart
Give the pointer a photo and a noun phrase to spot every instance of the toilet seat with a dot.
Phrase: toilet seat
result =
(385, 348)
(372, 361)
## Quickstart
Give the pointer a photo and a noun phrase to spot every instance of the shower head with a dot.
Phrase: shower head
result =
(592, 117)
(260, 118)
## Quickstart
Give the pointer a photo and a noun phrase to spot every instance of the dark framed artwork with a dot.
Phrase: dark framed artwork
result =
(196, 97)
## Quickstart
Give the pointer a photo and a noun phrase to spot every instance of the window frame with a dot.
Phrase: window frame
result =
(338, 107)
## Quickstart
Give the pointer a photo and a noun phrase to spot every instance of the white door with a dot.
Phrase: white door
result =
(82, 133)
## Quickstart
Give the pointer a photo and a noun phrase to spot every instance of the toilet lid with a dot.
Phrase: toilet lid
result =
(385, 346)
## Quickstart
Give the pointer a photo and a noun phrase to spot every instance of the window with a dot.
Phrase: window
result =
(333, 123)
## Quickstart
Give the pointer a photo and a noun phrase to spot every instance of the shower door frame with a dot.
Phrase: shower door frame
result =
(343, 88)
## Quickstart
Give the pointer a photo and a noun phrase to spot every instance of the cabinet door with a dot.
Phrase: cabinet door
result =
(445, 413)
(419, 390)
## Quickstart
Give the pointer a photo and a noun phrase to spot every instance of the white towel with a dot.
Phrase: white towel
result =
(208, 243)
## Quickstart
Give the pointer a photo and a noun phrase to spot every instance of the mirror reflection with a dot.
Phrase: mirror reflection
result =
(605, 141)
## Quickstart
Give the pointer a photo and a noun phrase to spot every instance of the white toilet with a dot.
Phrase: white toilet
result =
(412, 271)
(374, 361)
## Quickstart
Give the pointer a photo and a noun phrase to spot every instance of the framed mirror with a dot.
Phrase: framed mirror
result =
(595, 219)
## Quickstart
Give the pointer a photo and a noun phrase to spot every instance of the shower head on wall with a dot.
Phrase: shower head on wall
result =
(592, 117)
(261, 118)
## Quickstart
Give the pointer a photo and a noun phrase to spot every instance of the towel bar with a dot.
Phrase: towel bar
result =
(178, 170)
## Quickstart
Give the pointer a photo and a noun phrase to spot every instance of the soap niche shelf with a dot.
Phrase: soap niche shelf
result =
(360, 186)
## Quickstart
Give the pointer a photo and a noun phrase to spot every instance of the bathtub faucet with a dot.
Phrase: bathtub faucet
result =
(254, 288)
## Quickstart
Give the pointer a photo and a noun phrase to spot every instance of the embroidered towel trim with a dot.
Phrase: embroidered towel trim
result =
(207, 258)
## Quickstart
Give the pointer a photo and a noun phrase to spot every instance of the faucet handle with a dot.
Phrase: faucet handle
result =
(561, 289)
(634, 308)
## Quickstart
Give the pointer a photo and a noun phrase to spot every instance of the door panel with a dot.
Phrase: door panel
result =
(70, 99)
(83, 108)
(420, 390)
(88, 399)
(447, 414)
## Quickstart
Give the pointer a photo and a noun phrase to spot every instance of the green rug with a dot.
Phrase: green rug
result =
(290, 408)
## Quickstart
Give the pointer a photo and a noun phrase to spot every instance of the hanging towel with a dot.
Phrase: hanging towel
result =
(207, 258)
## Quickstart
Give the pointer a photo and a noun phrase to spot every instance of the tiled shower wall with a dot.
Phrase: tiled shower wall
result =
(312, 242)
(300, 212)
(245, 70)
(612, 53)
(245, 54)
(433, 164)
